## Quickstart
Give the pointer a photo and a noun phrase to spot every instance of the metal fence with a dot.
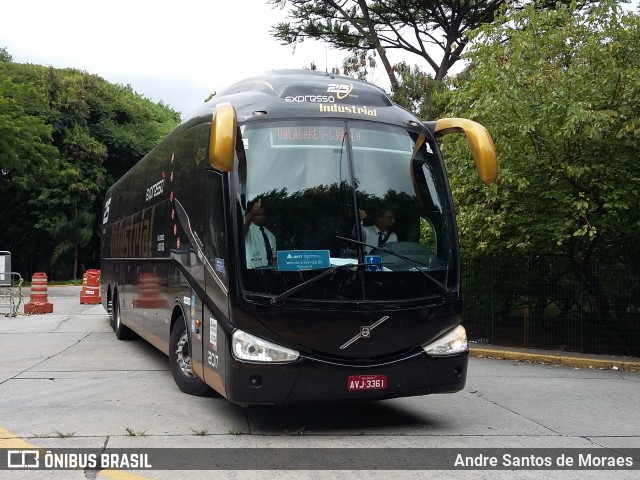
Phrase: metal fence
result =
(10, 294)
(553, 304)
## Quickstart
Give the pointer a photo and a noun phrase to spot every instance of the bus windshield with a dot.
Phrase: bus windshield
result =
(368, 198)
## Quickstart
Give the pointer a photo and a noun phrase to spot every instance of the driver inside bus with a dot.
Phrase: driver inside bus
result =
(259, 242)
(380, 232)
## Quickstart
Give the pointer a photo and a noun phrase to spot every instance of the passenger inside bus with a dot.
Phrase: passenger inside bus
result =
(260, 243)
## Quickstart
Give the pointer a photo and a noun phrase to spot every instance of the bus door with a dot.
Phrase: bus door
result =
(216, 309)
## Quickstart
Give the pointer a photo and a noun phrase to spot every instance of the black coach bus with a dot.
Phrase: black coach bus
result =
(326, 315)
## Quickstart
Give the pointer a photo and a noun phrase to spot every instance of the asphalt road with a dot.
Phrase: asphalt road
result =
(67, 382)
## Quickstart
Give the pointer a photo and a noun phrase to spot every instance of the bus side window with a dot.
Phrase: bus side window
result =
(215, 236)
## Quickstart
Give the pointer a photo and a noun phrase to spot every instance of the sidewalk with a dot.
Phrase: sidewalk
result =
(556, 357)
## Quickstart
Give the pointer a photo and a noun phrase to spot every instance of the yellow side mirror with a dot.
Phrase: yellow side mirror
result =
(480, 141)
(222, 141)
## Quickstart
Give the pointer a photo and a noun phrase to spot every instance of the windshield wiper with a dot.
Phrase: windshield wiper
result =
(410, 261)
(286, 294)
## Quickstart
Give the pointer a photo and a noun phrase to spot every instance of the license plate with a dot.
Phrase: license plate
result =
(367, 382)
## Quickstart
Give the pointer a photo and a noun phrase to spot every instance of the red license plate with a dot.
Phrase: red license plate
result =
(367, 382)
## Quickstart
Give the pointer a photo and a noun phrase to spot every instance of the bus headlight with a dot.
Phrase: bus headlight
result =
(248, 348)
(451, 343)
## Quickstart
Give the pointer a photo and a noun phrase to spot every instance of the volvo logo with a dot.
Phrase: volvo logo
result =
(365, 332)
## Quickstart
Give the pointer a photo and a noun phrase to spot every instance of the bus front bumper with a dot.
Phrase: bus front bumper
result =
(312, 380)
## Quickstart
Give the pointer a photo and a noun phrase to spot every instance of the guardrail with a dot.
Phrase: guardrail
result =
(10, 294)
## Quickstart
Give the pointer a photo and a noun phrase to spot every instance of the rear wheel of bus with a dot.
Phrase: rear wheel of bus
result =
(122, 331)
(180, 362)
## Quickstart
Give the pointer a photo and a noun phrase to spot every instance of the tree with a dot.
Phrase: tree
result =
(418, 92)
(72, 234)
(25, 147)
(436, 32)
(561, 96)
(4, 55)
(26, 156)
(65, 136)
(560, 92)
(413, 26)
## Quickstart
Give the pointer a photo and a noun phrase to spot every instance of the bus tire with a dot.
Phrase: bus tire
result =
(112, 322)
(180, 362)
(122, 331)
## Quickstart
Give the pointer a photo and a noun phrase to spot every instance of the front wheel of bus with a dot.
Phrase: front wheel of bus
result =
(180, 362)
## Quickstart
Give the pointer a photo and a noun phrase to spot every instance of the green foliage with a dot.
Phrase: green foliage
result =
(560, 92)
(418, 92)
(4, 55)
(24, 132)
(359, 64)
(65, 137)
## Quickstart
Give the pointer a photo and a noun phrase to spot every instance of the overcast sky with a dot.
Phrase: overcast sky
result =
(177, 52)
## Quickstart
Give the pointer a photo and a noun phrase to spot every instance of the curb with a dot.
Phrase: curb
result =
(568, 360)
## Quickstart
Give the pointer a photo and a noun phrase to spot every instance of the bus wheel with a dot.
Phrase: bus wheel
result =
(122, 331)
(112, 322)
(180, 362)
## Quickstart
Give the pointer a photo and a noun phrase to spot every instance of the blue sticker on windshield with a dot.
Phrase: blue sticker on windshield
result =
(373, 260)
(219, 265)
(296, 260)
